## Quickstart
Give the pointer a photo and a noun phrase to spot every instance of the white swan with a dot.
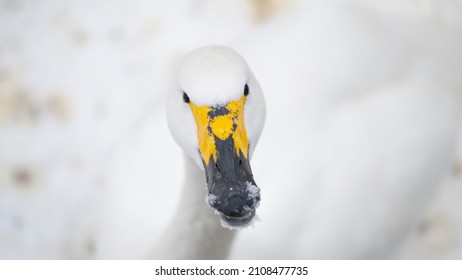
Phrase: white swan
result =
(216, 113)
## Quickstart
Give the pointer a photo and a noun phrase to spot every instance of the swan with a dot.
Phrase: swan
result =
(215, 112)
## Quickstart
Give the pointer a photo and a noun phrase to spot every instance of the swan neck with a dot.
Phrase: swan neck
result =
(195, 231)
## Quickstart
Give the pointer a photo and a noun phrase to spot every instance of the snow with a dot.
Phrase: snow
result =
(360, 156)
(253, 193)
(210, 199)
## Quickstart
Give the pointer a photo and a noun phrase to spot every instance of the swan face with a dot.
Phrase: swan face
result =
(216, 113)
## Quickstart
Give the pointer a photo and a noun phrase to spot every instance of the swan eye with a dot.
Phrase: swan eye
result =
(246, 90)
(185, 97)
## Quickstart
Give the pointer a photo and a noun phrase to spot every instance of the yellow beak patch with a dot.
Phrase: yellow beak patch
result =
(222, 123)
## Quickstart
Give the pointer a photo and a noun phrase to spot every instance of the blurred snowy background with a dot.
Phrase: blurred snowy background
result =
(359, 158)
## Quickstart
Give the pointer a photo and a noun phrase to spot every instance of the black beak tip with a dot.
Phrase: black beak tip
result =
(238, 211)
(238, 221)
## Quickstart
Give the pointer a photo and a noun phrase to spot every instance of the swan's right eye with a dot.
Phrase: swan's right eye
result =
(185, 97)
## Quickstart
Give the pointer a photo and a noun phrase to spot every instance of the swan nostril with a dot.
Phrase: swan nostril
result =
(217, 168)
(242, 168)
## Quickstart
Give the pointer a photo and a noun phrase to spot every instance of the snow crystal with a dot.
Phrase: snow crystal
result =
(252, 190)
(210, 199)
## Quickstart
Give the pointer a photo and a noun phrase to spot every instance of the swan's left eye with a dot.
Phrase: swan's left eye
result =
(246, 90)
(185, 97)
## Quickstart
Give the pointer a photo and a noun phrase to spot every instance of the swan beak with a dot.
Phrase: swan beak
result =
(224, 149)
(232, 189)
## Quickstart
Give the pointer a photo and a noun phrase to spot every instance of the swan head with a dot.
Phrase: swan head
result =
(216, 113)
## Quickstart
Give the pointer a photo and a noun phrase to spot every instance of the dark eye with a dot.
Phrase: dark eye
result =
(246, 90)
(185, 97)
